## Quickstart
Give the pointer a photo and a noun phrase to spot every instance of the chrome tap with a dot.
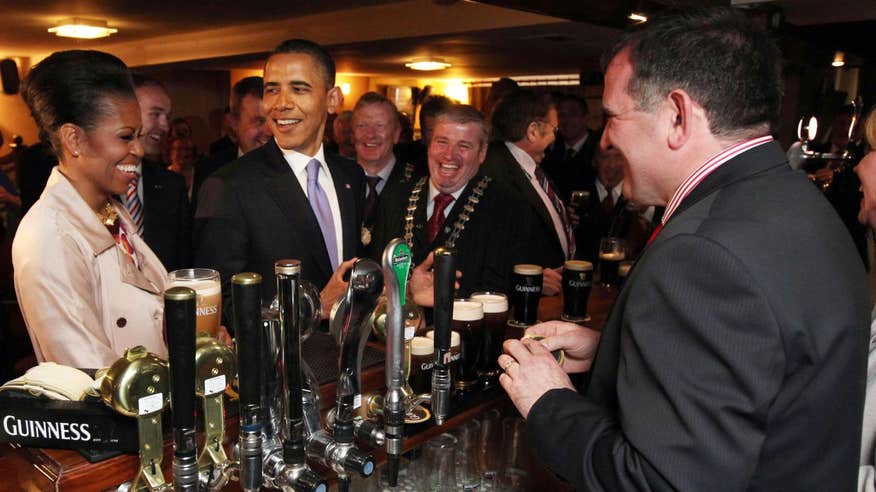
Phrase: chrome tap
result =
(396, 264)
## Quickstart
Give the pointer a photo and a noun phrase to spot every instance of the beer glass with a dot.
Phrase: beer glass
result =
(577, 280)
(455, 352)
(580, 198)
(525, 294)
(422, 360)
(612, 250)
(495, 319)
(468, 321)
(436, 468)
(623, 271)
(208, 291)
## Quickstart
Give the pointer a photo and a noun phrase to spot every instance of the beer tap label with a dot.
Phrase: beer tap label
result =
(214, 385)
(149, 404)
(401, 264)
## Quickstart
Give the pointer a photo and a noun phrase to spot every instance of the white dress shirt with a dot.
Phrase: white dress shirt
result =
(383, 175)
(433, 192)
(298, 162)
(528, 165)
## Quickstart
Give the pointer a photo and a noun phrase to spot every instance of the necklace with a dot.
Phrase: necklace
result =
(468, 209)
(108, 216)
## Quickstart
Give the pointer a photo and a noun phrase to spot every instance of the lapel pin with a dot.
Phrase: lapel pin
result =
(347, 186)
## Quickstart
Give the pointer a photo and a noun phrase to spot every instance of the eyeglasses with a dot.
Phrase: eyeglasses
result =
(555, 128)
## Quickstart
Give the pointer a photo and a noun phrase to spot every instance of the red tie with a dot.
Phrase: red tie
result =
(608, 203)
(654, 234)
(437, 218)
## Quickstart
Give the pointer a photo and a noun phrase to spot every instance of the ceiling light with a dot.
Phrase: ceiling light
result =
(428, 64)
(638, 17)
(77, 27)
(839, 59)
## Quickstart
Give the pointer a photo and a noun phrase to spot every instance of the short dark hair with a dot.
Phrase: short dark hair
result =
(432, 106)
(728, 66)
(515, 112)
(247, 86)
(73, 87)
(317, 52)
(464, 114)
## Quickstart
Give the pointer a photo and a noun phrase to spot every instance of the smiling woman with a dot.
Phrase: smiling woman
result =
(88, 286)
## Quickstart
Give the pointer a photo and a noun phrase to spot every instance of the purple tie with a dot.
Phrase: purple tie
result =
(320, 205)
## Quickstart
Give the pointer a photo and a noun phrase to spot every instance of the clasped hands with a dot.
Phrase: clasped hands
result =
(529, 369)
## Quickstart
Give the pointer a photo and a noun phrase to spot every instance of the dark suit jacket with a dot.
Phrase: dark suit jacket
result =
(253, 212)
(167, 216)
(571, 174)
(493, 241)
(732, 360)
(209, 165)
(620, 222)
(545, 248)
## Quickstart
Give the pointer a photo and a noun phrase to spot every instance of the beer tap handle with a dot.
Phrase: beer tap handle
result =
(179, 318)
(396, 267)
(445, 279)
(246, 305)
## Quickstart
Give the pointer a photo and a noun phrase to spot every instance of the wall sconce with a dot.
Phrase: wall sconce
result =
(638, 17)
(428, 64)
(77, 27)
(345, 88)
(839, 59)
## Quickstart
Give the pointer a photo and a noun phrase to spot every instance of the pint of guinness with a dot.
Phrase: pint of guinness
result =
(422, 360)
(612, 251)
(525, 294)
(468, 321)
(577, 280)
(495, 320)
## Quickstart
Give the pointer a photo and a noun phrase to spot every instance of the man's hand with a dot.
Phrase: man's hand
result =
(578, 342)
(552, 281)
(335, 288)
(422, 283)
(223, 336)
(529, 371)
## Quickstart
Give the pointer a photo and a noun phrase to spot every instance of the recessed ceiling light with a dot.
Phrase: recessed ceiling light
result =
(427, 64)
(77, 27)
(839, 59)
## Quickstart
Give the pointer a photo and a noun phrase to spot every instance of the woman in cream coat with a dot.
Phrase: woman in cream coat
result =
(88, 286)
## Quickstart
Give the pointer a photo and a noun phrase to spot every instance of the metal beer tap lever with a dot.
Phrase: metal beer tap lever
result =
(445, 279)
(350, 327)
(287, 467)
(137, 385)
(179, 318)
(396, 267)
(246, 306)
(215, 367)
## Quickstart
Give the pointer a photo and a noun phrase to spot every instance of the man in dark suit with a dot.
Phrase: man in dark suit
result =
(569, 161)
(458, 206)
(524, 125)
(247, 121)
(288, 198)
(376, 130)
(729, 361)
(160, 204)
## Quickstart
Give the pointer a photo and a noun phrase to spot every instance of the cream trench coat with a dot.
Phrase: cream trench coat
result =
(83, 301)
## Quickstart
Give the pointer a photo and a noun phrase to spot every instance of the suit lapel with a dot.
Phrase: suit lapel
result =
(521, 182)
(153, 195)
(284, 188)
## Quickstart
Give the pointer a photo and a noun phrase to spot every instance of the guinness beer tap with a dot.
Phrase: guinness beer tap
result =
(246, 302)
(179, 319)
(396, 267)
(445, 279)
(215, 367)
(294, 472)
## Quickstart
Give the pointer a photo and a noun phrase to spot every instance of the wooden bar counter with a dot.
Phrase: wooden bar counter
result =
(33, 469)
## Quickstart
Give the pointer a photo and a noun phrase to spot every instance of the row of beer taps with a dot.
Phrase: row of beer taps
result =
(280, 430)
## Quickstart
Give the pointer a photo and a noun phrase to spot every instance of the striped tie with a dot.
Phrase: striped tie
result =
(545, 183)
(132, 203)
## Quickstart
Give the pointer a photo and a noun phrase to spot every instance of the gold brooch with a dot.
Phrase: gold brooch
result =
(108, 215)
